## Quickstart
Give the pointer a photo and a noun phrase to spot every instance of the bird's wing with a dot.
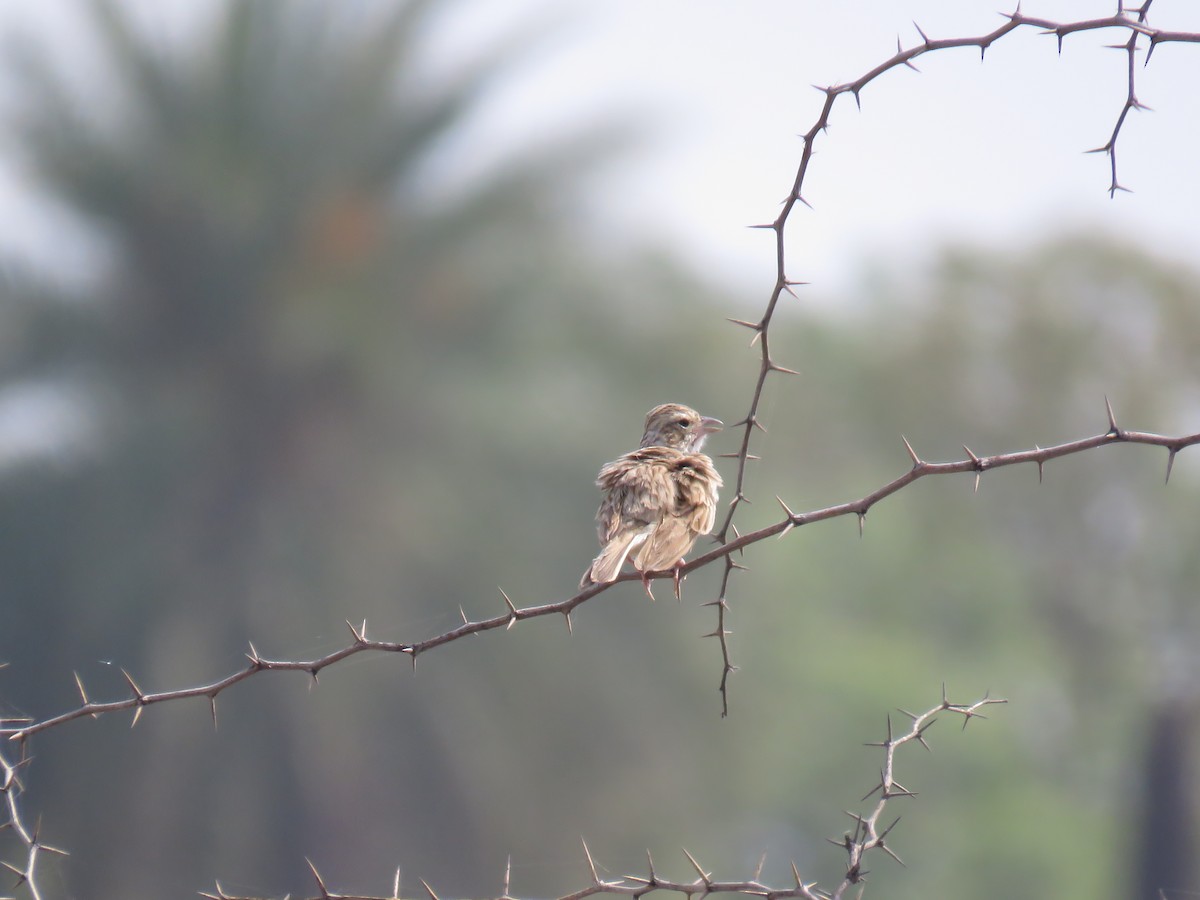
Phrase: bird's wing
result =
(638, 491)
(665, 545)
(693, 513)
(696, 484)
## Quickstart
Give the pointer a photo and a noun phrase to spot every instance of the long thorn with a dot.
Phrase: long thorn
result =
(1112, 420)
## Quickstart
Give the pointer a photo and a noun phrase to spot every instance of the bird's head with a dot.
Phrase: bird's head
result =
(677, 426)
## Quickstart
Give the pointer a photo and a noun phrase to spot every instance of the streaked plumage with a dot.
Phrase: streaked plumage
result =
(657, 499)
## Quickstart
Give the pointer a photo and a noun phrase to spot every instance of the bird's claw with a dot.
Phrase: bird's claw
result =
(646, 585)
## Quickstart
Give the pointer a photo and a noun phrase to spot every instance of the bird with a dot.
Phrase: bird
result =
(657, 499)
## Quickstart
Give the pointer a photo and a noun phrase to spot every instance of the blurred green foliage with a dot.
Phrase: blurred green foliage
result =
(321, 383)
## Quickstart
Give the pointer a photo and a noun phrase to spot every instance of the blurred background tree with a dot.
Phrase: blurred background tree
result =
(309, 336)
(324, 376)
(1074, 596)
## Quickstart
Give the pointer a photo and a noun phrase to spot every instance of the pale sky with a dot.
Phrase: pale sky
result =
(963, 150)
(990, 151)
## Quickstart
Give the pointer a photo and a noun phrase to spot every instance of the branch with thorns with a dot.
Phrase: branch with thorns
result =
(865, 838)
(728, 537)
(13, 822)
(139, 699)
(1133, 20)
(866, 835)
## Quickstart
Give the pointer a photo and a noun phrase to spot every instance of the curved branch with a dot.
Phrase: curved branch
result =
(1131, 20)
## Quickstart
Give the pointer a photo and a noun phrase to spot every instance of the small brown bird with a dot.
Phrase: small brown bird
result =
(657, 499)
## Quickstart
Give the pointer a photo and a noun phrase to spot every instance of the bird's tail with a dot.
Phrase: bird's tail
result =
(607, 566)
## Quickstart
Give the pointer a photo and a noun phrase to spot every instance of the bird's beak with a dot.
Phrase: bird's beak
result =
(709, 425)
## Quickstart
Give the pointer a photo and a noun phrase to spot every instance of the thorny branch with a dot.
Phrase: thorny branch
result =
(139, 699)
(1133, 20)
(866, 836)
(729, 539)
(13, 822)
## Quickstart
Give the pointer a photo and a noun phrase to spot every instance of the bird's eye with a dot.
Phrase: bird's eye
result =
(684, 422)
